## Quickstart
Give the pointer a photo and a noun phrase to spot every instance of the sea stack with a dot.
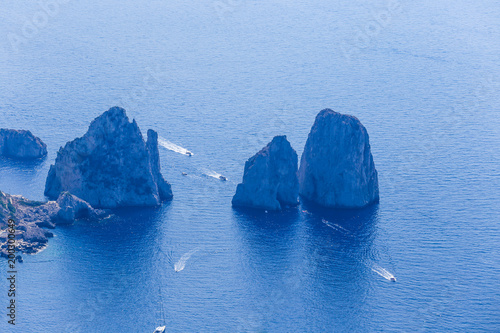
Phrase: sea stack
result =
(270, 178)
(110, 166)
(336, 168)
(21, 144)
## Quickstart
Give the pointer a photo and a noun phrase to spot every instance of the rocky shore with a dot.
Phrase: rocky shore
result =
(113, 166)
(33, 219)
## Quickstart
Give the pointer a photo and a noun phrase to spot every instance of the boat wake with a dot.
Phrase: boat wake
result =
(173, 147)
(337, 227)
(374, 267)
(179, 265)
(167, 255)
(213, 174)
(383, 273)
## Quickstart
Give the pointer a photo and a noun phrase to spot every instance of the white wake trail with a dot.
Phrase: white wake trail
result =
(173, 147)
(383, 273)
(211, 173)
(337, 227)
(179, 265)
(374, 267)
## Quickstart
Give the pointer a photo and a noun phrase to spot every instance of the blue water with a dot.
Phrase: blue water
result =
(221, 78)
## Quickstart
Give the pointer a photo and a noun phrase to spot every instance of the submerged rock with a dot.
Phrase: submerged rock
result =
(270, 178)
(111, 165)
(21, 144)
(32, 217)
(336, 168)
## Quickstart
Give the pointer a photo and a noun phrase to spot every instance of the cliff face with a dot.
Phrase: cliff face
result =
(270, 178)
(164, 189)
(21, 144)
(70, 208)
(336, 168)
(111, 165)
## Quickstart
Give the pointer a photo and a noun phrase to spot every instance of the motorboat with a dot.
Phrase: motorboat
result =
(393, 279)
(222, 178)
(188, 153)
(184, 174)
(161, 329)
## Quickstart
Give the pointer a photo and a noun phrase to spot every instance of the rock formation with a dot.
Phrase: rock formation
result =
(31, 217)
(270, 178)
(73, 208)
(336, 168)
(21, 144)
(164, 189)
(111, 165)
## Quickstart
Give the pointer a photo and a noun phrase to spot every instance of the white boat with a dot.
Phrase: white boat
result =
(161, 329)
(188, 153)
(184, 174)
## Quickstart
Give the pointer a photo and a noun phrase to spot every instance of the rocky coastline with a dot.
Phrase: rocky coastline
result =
(112, 166)
(33, 219)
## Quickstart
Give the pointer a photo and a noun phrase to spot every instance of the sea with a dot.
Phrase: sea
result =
(221, 78)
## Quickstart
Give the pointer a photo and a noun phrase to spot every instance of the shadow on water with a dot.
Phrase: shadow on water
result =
(267, 238)
(25, 177)
(263, 219)
(120, 261)
(268, 256)
(124, 231)
(266, 235)
(22, 164)
(354, 226)
(342, 234)
(22, 167)
(307, 251)
(340, 256)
